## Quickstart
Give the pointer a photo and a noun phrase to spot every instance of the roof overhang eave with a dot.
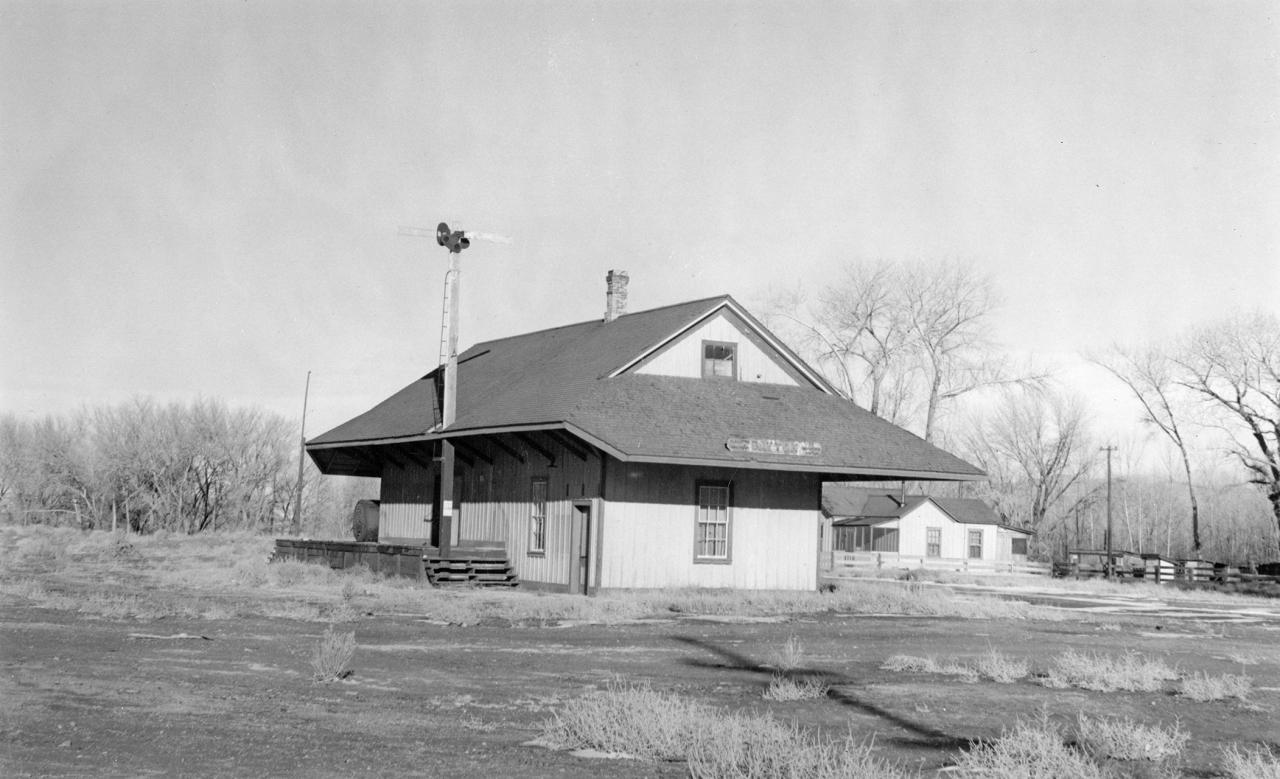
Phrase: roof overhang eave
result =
(404, 439)
(437, 435)
(888, 474)
(827, 469)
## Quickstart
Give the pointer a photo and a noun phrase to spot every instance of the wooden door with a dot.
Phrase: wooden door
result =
(579, 547)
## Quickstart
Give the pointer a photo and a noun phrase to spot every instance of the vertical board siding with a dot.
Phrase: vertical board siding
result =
(648, 529)
(643, 528)
(684, 358)
(496, 508)
(406, 494)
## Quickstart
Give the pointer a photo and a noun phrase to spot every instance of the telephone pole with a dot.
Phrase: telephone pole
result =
(1110, 566)
(302, 457)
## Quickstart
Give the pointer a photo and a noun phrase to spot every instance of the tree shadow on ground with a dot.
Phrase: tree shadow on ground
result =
(920, 734)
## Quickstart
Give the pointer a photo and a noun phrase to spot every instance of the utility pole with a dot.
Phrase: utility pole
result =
(1110, 566)
(302, 456)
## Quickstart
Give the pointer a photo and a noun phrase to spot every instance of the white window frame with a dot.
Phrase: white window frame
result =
(713, 522)
(933, 542)
(538, 515)
(972, 535)
(709, 364)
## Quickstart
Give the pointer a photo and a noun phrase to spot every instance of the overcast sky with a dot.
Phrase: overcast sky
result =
(202, 198)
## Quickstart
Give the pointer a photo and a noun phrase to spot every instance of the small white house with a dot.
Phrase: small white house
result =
(862, 520)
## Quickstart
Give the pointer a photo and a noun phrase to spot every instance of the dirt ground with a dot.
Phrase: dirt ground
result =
(84, 696)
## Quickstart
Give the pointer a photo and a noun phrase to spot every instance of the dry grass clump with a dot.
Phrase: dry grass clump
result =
(1130, 672)
(1028, 751)
(790, 657)
(999, 667)
(637, 721)
(332, 656)
(1256, 763)
(629, 719)
(1124, 739)
(747, 746)
(787, 684)
(1203, 688)
(796, 688)
(911, 664)
(1100, 748)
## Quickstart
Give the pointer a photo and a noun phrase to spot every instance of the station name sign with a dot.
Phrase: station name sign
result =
(774, 446)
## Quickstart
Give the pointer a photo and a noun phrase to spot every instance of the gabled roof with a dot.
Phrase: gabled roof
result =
(578, 378)
(969, 511)
(852, 504)
(524, 379)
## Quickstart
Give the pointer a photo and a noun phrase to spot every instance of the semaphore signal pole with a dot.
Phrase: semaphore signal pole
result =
(455, 241)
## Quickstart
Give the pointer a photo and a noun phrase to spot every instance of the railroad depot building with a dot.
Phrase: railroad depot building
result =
(683, 446)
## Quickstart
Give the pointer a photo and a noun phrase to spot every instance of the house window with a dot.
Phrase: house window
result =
(538, 516)
(975, 544)
(933, 542)
(1018, 546)
(864, 538)
(884, 539)
(719, 360)
(711, 534)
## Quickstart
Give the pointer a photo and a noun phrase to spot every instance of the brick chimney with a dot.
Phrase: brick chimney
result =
(615, 297)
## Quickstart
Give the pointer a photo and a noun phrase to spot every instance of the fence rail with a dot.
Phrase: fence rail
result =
(853, 562)
(1166, 571)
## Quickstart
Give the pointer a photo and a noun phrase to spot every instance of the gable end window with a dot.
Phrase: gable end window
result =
(538, 516)
(711, 534)
(719, 360)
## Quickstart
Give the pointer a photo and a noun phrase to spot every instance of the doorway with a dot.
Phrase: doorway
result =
(580, 547)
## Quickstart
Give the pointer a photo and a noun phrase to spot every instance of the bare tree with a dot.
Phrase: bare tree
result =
(1035, 446)
(948, 308)
(192, 467)
(864, 312)
(896, 336)
(1150, 374)
(1234, 366)
(856, 333)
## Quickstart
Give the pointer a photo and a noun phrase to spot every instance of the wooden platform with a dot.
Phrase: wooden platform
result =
(481, 564)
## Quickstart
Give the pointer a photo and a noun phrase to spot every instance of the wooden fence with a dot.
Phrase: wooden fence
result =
(850, 563)
(1162, 571)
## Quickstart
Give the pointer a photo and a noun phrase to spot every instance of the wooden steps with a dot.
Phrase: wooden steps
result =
(484, 570)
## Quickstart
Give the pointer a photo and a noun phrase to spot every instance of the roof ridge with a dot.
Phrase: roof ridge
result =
(585, 322)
